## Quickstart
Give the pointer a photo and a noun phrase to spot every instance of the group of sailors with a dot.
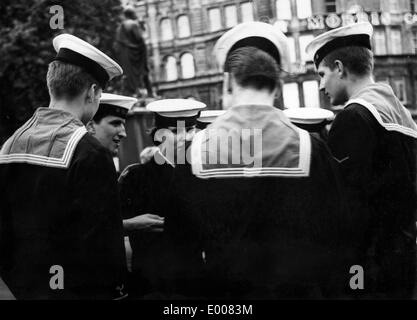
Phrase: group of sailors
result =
(203, 221)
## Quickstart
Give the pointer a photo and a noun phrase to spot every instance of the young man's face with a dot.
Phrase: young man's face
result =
(332, 84)
(110, 131)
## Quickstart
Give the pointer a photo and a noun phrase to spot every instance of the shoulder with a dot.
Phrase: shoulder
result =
(90, 149)
(131, 24)
(355, 111)
(130, 171)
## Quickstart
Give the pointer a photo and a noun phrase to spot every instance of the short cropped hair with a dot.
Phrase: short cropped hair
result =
(67, 81)
(254, 68)
(358, 60)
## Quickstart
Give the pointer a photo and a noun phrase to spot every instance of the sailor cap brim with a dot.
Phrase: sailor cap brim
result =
(169, 111)
(258, 34)
(309, 115)
(357, 34)
(173, 108)
(209, 116)
(71, 49)
(114, 105)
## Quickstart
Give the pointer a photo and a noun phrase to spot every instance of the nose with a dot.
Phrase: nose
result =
(122, 132)
(321, 86)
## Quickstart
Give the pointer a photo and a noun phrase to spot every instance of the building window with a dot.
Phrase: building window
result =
(183, 26)
(396, 46)
(311, 94)
(230, 16)
(394, 6)
(304, 9)
(330, 6)
(304, 40)
(171, 72)
(380, 43)
(400, 89)
(413, 5)
(283, 9)
(247, 11)
(214, 19)
(291, 49)
(166, 29)
(290, 95)
(187, 66)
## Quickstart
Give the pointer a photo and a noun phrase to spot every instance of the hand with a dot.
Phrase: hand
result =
(144, 222)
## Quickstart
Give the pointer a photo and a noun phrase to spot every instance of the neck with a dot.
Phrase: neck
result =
(72, 107)
(357, 84)
(249, 96)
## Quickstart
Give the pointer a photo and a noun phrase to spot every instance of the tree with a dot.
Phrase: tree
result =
(26, 49)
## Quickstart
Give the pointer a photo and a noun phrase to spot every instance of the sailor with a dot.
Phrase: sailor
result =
(144, 189)
(108, 124)
(374, 140)
(262, 209)
(59, 206)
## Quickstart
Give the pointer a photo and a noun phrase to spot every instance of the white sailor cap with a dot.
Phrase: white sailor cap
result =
(357, 34)
(308, 115)
(208, 116)
(71, 49)
(257, 34)
(114, 105)
(169, 111)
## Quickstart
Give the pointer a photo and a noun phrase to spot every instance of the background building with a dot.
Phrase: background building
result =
(181, 35)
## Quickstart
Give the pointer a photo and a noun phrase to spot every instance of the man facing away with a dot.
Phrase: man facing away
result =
(268, 228)
(61, 229)
(374, 140)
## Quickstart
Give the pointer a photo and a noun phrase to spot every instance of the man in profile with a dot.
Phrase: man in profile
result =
(374, 139)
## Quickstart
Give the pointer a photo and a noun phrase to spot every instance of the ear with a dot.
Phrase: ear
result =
(90, 127)
(93, 93)
(227, 83)
(341, 70)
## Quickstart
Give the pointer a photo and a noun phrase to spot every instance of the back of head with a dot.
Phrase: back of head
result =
(253, 68)
(67, 81)
(358, 60)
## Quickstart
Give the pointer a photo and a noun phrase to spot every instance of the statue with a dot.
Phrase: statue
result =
(131, 52)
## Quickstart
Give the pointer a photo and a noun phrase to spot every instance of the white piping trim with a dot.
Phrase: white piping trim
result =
(389, 126)
(302, 170)
(62, 162)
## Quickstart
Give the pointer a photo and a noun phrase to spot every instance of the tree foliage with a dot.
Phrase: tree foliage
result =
(26, 49)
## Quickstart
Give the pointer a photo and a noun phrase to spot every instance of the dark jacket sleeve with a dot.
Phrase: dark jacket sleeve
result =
(353, 141)
(97, 224)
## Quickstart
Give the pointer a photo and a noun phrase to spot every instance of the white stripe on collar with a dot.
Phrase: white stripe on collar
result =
(62, 162)
(388, 126)
(302, 170)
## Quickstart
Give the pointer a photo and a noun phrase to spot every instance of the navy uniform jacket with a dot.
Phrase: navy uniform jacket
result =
(379, 171)
(57, 212)
(263, 236)
(144, 188)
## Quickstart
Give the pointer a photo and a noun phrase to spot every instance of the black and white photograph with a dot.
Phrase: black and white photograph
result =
(208, 155)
